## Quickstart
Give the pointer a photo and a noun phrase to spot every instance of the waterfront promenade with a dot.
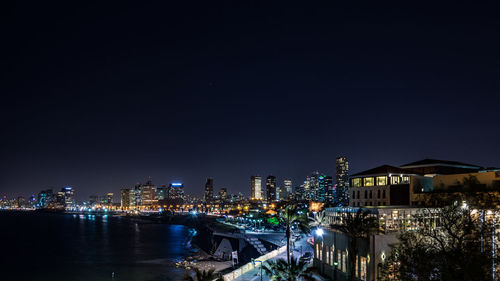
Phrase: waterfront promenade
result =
(254, 274)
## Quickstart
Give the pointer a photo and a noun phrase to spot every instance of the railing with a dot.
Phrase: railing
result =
(249, 266)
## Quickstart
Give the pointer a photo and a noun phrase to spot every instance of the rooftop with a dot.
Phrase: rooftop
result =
(436, 162)
(383, 170)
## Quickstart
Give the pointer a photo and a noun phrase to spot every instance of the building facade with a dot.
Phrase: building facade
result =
(287, 192)
(148, 194)
(209, 190)
(256, 188)
(176, 191)
(327, 184)
(69, 197)
(401, 199)
(342, 181)
(223, 195)
(126, 198)
(271, 189)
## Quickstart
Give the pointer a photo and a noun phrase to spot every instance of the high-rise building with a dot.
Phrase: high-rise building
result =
(271, 188)
(327, 183)
(310, 188)
(176, 191)
(342, 181)
(316, 187)
(286, 191)
(126, 196)
(69, 197)
(223, 194)
(135, 195)
(256, 188)
(162, 192)
(209, 190)
(148, 194)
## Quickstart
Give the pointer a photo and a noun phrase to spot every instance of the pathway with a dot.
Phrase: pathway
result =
(254, 274)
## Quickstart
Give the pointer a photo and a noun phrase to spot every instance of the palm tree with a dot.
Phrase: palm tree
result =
(291, 217)
(356, 226)
(281, 270)
(318, 220)
(205, 275)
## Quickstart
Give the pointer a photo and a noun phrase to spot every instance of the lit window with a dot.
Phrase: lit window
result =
(395, 180)
(406, 179)
(332, 255)
(344, 261)
(356, 272)
(368, 181)
(356, 182)
(382, 180)
(339, 259)
(363, 275)
(321, 251)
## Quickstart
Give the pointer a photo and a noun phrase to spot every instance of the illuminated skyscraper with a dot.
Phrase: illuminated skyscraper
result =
(329, 191)
(176, 191)
(310, 188)
(256, 188)
(271, 188)
(148, 193)
(316, 187)
(209, 190)
(342, 181)
(126, 197)
(69, 197)
(287, 189)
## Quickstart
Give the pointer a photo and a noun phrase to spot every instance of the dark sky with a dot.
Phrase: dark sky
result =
(100, 95)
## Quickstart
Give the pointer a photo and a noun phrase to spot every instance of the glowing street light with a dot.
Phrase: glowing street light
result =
(320, 232)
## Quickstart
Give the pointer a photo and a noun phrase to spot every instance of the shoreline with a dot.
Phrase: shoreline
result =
(198, 246)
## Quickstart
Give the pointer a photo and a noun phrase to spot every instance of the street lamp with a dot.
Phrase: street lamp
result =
(319, 232)
(255, 261)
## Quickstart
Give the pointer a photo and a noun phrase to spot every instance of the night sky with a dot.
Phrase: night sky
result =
(102, 95)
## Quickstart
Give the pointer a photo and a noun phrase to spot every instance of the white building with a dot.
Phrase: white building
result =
(256, 188)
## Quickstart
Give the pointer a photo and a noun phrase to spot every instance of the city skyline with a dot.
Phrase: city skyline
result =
(99, 96)
(200, 191)
(250, 140)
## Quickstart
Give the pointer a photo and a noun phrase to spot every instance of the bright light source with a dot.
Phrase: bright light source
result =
(320, 232)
